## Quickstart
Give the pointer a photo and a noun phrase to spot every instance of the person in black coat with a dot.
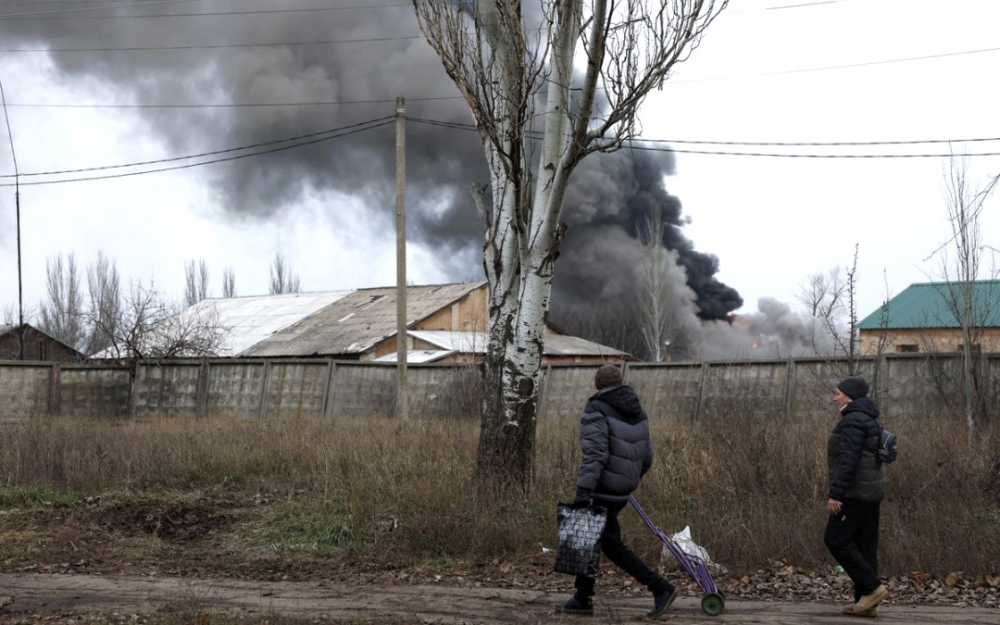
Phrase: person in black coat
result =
(617, 453)
(856, 493)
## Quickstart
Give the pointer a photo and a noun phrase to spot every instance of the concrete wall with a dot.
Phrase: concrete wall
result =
(92, 391)
(25, 389)
(906, 385)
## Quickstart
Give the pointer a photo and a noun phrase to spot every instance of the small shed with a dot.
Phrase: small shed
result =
(37, 345)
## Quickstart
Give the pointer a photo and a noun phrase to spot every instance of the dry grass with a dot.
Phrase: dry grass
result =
(753, 489)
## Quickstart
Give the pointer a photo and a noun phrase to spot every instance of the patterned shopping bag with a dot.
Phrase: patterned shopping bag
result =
(580, 532)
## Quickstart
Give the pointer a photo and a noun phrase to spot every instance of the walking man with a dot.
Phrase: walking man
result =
(617, 452)
(856, 492)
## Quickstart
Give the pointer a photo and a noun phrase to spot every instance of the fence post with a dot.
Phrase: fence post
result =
(790, 380)
(133, 387)
(328, 394)
(262, 407)
(201, 399)
(545, 390)
(701, 389)
(55, 390)
(884, 384)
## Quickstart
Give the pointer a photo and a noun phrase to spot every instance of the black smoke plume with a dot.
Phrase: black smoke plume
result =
(610, 193)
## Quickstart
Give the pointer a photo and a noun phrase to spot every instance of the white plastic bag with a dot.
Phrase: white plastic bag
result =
(683, 541)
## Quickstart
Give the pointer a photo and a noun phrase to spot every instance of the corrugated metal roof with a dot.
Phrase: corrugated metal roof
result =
(418, 356)
(359, 321)
(249, 320)
(475, 343)
(926, 306)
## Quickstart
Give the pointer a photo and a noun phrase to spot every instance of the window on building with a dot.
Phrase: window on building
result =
(43, 350)
(907, 349)
(977, 348)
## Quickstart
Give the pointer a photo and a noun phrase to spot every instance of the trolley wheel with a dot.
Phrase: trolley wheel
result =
(713, 604)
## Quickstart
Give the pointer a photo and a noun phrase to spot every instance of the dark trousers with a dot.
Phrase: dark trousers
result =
(618, 552)
(852, 538)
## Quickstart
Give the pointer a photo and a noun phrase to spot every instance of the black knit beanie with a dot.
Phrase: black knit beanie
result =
(608, 375)
(854, 387)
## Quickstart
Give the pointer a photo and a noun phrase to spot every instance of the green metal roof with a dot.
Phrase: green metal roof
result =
(926, 305)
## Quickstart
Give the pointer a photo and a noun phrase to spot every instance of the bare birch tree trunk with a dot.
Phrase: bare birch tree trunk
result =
(488, 50)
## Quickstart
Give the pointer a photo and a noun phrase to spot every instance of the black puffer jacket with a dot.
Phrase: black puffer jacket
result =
(855, 473)
(614, 437)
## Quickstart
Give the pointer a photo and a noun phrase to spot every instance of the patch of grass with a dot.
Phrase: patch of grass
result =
(313, 526)
(15, 496)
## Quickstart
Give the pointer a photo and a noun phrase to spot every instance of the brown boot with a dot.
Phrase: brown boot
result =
(871, 600)
(851, 609)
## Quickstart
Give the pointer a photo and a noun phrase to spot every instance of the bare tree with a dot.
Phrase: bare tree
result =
(654, 288)
(500, 62)
(822, 294)
(195, 282)
(969, 303)
(228, 283)
(62, 314)
(104, 303)
(149, 326)
(283, 279)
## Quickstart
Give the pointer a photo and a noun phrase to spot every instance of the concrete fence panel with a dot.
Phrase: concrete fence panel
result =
(745, 388)
(451, 391)
(25, 389)
(361, 390)
(814, 380)
(167, 388)
(296, 389)
(565, 390)
(235, 389)
(669, 393)
(93, 391)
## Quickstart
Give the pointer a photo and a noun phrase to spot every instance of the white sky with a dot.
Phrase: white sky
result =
(771, 221)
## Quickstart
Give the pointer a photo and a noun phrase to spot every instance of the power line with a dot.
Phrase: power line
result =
(100, 8)
(232, 105)
(538, 136)
(834, 67)
(14, 18)
(217, 46)
(460, 126)
(203, 154)
(372, 124)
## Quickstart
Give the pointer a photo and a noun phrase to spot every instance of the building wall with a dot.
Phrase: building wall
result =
(925, 340)
(37, 346)
(466, 315)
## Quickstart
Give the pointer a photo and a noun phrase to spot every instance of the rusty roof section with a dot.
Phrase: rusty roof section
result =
(359, 321)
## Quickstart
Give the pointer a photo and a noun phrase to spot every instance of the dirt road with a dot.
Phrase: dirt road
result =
(54, 595)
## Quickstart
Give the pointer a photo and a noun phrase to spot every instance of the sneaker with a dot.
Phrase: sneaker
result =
(575, 606)
(851, 609)
(662, 601)
(871, 600)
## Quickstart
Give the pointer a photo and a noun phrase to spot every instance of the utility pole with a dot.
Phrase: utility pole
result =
(402, 400)
(17, 204)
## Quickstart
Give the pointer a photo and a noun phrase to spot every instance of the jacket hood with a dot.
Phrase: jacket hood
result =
(864, 405)
(624, 400)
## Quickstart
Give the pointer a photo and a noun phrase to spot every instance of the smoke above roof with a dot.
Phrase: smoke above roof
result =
(610, 194)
